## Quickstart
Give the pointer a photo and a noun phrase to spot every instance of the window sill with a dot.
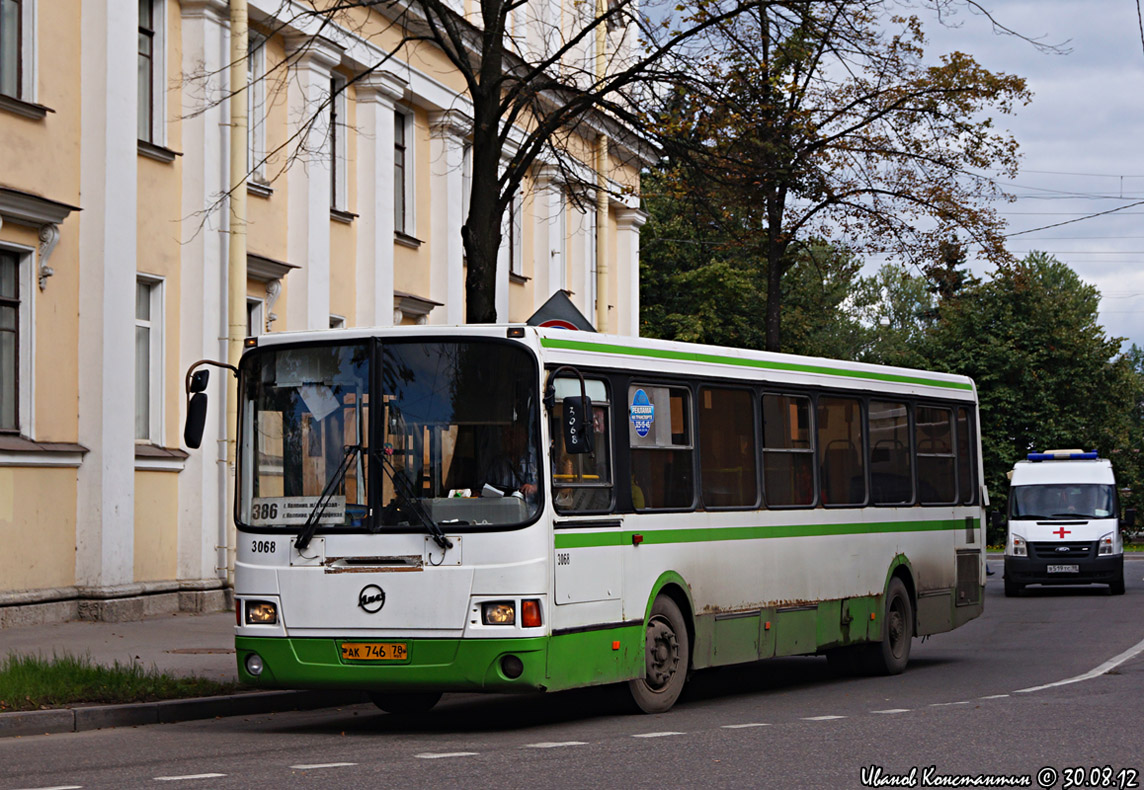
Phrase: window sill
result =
(339, 215)
(405, 240)
(19, 451)
(258, 189)
(36, 112)
(519, 279)
(157, 152)
(152, 458)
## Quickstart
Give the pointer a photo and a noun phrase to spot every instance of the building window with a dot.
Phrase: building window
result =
(255, 317)
(148, 360)
(256, 107)
(9, 341)
(150, 76)
(514, 235)
(400, 168)
(337, 322)
(11, 48)
(337, 141)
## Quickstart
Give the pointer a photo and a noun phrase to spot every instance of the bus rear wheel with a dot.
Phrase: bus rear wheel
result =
(406, 703)
(666, 655)
(890, 656)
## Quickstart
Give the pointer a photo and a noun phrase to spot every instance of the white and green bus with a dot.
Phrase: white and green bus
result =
(516, 509)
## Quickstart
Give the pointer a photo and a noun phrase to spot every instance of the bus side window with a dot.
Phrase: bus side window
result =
(788, 451)
(659, 435)
(933, 438)
(582, 482)
(965, 480)
(727, 452)
(841, 464)
(891, 461)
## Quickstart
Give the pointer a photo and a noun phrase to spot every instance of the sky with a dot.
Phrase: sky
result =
(1081, 139)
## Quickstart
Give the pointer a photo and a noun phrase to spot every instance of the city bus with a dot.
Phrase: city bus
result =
(507, 508)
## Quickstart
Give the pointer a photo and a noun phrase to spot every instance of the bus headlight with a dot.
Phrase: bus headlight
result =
(261, 613)
(1106, 544)
(1017, 546)
(498, 613)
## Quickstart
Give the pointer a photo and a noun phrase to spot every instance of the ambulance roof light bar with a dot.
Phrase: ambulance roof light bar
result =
(1064, 455)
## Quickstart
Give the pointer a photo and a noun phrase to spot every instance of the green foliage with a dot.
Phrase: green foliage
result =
(32, 682)
(1047, 375)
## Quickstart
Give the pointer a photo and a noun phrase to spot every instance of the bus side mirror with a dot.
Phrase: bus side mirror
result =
(199, 380)
(1129, 518)
(196, 419)
(578, 436)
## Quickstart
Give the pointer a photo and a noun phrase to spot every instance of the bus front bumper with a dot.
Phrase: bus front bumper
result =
(503, 665)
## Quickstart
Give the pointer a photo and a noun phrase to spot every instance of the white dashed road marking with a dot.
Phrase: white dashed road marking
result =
(821, 718)
(432, 756)
(995, 696)
(188, 776)
(657, 734)
(554, 744)
(946, 704)
(321, 765)
(744, 726)
(892, 710)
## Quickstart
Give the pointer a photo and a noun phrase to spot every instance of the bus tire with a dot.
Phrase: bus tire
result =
(405, 703)
(667, 651)
(890, 656)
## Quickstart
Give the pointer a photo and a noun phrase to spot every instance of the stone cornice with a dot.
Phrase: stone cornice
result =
(381, 86)
(450, 123)
(313, 51)
(24, 208)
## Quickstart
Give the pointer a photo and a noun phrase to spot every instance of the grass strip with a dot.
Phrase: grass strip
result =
(34, 682)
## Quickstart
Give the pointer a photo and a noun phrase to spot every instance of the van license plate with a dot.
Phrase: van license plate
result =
(1063, 569)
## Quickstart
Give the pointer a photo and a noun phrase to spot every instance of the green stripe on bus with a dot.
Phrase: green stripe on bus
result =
(581, 540)
(662, 353)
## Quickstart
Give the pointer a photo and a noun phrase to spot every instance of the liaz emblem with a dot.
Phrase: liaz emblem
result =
(371, 598)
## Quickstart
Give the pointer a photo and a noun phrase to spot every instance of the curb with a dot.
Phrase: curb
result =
(47, 722)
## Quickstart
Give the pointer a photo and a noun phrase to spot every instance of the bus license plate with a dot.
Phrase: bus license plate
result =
(374, 651)
(1063, 569)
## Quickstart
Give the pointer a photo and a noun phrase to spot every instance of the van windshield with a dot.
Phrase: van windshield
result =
(1062, 501)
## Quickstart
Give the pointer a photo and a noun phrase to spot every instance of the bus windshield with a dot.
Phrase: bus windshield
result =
(1062, 501)
(453, 439)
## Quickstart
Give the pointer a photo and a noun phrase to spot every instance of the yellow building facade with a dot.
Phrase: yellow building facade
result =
(114, 217)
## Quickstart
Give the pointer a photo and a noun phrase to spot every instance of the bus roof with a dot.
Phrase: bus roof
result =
(589, 349)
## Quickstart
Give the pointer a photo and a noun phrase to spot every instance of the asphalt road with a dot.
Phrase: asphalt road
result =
(962, 711)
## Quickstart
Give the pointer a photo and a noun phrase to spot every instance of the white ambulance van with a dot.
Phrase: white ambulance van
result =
(1064, 522)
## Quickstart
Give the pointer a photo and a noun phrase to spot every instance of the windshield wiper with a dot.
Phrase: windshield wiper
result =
(410, 502)
(335, 480)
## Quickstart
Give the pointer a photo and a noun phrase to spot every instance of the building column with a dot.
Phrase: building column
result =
(628, 224)
(447, 132)
(105, 512)
(377, 95)
(546, 206)
(312, 60)
(203, 516)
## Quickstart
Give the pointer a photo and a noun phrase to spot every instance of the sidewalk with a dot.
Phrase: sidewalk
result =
(180, 644)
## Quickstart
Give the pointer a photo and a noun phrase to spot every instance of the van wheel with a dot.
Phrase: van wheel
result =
(667, 651)
(408, 703)
(1117, 586)
(1012, 589)
(890, 656)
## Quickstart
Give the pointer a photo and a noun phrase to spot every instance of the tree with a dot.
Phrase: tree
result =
(541, 87)
(816, 123)
(1047, 375)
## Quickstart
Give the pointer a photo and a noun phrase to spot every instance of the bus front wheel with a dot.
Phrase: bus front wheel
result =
(666, 654)
(408, 703)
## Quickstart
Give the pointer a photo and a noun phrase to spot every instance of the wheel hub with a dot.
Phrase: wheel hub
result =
(662, 653)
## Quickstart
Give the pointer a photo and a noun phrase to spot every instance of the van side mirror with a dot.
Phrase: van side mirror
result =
(1129, 520)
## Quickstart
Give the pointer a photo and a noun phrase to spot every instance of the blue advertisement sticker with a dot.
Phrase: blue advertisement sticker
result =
(642, 413)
